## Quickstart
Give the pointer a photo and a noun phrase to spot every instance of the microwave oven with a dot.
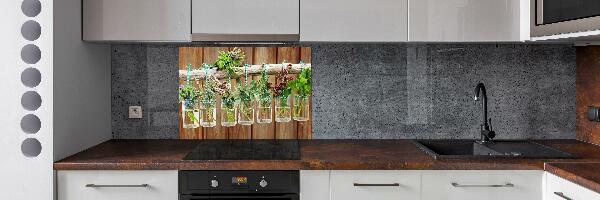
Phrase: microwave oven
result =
(554, 17)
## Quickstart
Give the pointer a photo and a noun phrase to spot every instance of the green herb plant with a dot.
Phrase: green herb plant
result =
(262, 88)
(208, 100)
(228, 98)
(245, 93)
(227, 60)
(189, 96)
(282, 91)
(302, 86)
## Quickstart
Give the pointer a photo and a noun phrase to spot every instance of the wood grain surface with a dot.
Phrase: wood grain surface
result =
(588, 92)
(314, 155)
(254, 55)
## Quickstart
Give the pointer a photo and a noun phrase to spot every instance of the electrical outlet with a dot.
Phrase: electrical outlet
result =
(135, 112)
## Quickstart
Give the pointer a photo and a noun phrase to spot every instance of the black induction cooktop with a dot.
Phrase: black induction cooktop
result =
(245, 150)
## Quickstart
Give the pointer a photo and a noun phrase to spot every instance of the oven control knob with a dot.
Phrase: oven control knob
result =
(214, 183)
(263, 183)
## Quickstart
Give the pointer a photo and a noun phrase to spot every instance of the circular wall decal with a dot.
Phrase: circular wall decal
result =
(31, 8)
(31, 147)
(31, 77)
(31, 124)
(31, 30)
(31, 100)
(31, 54)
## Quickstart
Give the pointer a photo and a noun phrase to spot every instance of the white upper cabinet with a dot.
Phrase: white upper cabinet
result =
(354, 20)
(245, 20)
(136, 20)
(468, 20)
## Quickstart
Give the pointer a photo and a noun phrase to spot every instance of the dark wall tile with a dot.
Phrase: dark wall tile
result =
(385, 90)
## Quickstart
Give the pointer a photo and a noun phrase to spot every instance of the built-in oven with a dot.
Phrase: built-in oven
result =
(552, 17)
(238, 185)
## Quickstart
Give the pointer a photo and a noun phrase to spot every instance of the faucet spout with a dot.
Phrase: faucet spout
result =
(486, 133)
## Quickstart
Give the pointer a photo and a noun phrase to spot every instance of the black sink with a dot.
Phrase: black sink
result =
(469, 149)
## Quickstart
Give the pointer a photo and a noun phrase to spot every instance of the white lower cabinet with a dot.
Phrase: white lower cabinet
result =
(560, 189)
(482, 185)
(117, 185)
(375, 185)
(314, 184)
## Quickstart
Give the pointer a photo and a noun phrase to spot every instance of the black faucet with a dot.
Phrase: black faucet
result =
(487, 134)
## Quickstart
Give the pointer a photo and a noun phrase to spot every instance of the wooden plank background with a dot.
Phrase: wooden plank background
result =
(254, 55)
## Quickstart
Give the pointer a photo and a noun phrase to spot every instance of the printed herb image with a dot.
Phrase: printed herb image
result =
(301, 86)
(245, 94)
(281, 93)
(208, 110)
(263, 97)
(188, 96)
(228, 102)
(228, 60)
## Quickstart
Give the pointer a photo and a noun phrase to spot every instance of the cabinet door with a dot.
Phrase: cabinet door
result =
(354, 20)
(375, 185)
(314, 185)
(560, 189)
(136, 20)
(482, 185)
(468, 21)
(117, 185)
(245, 20)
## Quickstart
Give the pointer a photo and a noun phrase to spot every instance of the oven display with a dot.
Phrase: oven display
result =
(239, 180)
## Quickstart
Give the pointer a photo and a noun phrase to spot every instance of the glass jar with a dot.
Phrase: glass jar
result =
(282, 109)
(301, 108)
(228, 115)
(208, 113)
(264, 115)
(246, 113)
(189, 115)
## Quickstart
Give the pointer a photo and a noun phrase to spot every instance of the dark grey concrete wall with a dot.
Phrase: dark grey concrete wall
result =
(145, 75)
(384, 90)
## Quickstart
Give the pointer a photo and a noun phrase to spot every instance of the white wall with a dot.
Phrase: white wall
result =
(23, 177)
(82, 86)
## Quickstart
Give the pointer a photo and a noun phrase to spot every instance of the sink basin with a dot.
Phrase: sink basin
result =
(468, 149)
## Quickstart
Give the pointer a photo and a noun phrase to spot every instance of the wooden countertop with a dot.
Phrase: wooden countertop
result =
(331, 155)
(584, 174)
(314, 155)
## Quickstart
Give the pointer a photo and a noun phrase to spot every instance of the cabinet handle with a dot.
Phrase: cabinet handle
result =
(115, 186)
(470, 186)
(562, 195)
(376, 184)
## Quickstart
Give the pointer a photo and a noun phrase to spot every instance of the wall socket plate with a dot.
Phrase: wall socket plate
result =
(135, 112)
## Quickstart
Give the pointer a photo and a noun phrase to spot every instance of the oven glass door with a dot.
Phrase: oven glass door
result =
(241, 197)
(554, 11)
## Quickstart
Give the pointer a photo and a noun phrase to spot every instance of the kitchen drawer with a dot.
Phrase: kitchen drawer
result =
(556, 186)
(482, 185)
(386, 185)
(162, 185)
